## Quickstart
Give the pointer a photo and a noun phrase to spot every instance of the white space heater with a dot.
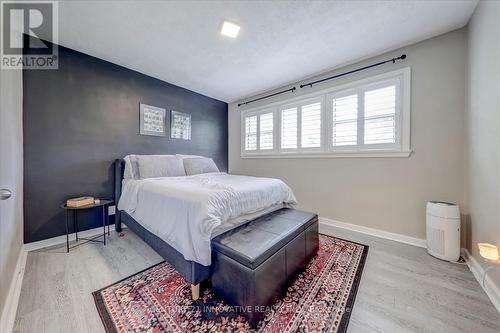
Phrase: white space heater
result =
(443, 230)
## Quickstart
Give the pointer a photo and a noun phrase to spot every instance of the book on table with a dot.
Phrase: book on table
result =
(79, 202)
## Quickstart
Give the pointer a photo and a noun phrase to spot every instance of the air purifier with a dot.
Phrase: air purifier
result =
(443, 230)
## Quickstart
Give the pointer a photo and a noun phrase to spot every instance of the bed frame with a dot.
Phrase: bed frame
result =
(192, 271)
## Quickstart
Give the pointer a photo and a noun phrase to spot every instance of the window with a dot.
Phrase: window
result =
(369, 117)
(259, 131)
(251, 133)
(380, 115)
(345, 121)
(365, 117)
(266, 131)
(301, 125)
(311, 125)
(289, 128)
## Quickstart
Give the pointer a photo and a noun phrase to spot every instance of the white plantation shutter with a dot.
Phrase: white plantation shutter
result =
(251, 133)
(380, 116)
(345, 121)
(311, 125)
(266, 131)
(289, 128)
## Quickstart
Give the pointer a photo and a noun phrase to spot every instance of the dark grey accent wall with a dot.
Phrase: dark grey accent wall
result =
(80, 118)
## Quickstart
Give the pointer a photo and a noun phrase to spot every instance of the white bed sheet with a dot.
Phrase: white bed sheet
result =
(186, 212)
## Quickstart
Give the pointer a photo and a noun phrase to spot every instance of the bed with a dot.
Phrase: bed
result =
(178, 216)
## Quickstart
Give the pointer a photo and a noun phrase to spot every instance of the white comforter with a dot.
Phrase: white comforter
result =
(185, 211)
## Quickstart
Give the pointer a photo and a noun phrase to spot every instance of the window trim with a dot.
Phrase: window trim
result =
(400, 149)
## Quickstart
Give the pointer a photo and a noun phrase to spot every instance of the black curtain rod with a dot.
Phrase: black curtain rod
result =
(310, 84)
(267, 96)
(393, 60)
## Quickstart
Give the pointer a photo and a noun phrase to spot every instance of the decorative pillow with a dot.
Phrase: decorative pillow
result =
(199, 165)
(160, 166)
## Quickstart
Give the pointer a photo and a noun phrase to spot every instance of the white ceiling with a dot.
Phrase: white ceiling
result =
(279, 41)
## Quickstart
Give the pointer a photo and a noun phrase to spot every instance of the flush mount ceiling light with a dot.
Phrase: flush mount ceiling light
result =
(229, 29)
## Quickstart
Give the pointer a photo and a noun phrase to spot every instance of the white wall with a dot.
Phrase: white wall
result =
(386, 193)
(11, 177)
(483, 127)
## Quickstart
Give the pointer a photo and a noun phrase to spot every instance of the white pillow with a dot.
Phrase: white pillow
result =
(132, 168)
(160, 166)
(199, 165)
(188, 156)
(127, 173)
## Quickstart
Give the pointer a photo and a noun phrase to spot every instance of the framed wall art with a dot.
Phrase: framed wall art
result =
(180, 125)
(152, 120)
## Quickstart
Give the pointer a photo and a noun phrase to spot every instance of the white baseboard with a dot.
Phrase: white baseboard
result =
(491, 289)
(10, 307)
(325, 223)
(62, 239)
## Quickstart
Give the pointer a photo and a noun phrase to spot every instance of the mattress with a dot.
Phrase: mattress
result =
(187, 212)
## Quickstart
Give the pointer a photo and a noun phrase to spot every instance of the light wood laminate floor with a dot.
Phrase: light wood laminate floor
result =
(403, 289)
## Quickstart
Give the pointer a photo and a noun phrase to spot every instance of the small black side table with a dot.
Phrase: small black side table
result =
(105, 222)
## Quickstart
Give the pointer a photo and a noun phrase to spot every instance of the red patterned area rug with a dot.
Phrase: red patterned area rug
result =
(158, 299)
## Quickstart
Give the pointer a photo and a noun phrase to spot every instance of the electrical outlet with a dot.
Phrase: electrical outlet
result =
(112, 210)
